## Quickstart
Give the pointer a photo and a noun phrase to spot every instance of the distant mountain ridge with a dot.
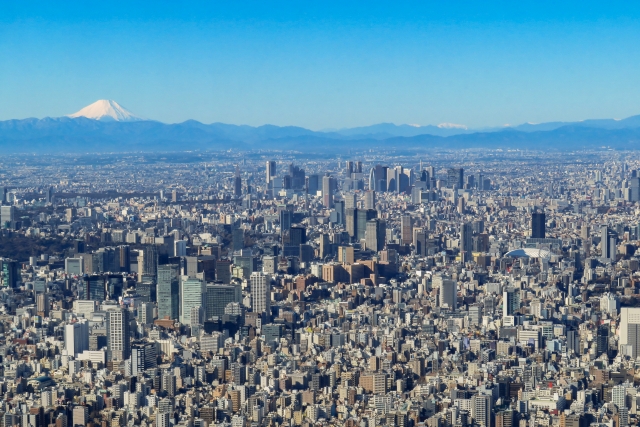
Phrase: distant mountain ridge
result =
(107, 127)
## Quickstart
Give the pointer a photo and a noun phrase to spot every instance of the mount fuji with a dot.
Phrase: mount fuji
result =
(106, 110)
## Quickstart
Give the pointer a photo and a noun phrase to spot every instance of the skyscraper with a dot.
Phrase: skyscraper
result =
(455, 178)
(448, 291)
(361, 218)
(271, 170)
(260, 293)
(510, 301)
(192, 292)
(76, 337)
(327, 191)
(608, 242)
(237, 183)
(375, 234)
(466, 242)
(118, 334)
(92, 288)
(370, 199)
(406, 227)
(629, 331)
(168, 291)
(218, 296)
(538, 225)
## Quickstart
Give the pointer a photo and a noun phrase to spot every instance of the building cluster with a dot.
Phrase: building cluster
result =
(478, 289)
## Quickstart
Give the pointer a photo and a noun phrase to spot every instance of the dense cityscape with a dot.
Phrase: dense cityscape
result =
(482, 287)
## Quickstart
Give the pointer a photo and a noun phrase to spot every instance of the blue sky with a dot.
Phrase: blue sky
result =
(323, 64)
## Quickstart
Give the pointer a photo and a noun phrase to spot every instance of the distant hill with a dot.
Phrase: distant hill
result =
(107, 127)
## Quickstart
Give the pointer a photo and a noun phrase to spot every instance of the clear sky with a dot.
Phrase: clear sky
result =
(323, 64)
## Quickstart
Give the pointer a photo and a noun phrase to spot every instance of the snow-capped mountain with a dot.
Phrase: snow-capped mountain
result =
(106, 110)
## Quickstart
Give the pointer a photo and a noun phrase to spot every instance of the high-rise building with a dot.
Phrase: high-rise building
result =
(327, 192)
(406, 228)
(271, 171)
(218, 296)
(608, 244)
(538, 225)
(168, 291)
(163, 419)
(630, 331)
(7, 215)
(448, 291)
(482, 410)
(602, 339)
(466, 242)
(510, 301)
(92, 288)
(362, 216)
(455, 178)
(143, 357)
(370, 199)
(10, 273)
(118, 334)
(260, 293)
(237, 184)
(76, 337)
(375, 234)
(150, 263)
(192, 292)
(80, 415)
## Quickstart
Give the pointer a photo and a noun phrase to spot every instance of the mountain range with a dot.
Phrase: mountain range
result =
(105, 126)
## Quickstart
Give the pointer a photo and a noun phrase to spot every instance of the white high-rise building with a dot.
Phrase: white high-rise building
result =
(192, 293)
(629, 331)
(118, 334)
(260, 293)
(76, 338)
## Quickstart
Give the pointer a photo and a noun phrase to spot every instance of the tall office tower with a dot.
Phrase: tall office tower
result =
(260, 293)
(7, 215)
(124, 254)
(49, 195)
(118, 334)
(348, 170)
(271, 171)
(327, 191)
(149, 263)
(168, 291)
(630, 331)
(373, 182)
(406, 228)
(191, 295)
(455, 178)
(370, 199)
(375, 234)
(510, 301)
(42, 304)
(223, 270)
(92, 288)
(237, 183)
(350, 222)
(448, 291)
(339, 206)
(3, 195)
(238, 238)
(466, 242)
(538, 225)
(362, 216)
(143, 357)
(314, 182)
(180, 248)
(608, 242)
(218, 296)
(76, 337)
(602, 339)
(9, 273)
(482, 410)
(357, 168)
(325, 246)
(350, 200)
